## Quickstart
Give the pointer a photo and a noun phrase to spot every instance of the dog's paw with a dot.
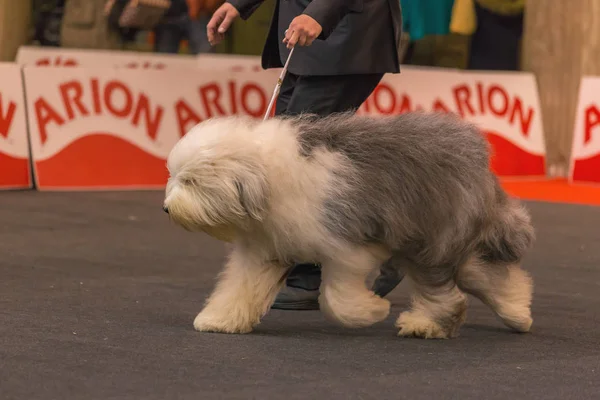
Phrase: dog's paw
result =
(210, 323)
(361, 312)
(379, 309)
(518, 321)
(413, 324)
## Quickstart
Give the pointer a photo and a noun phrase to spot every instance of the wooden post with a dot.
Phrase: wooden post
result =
(561, 43)
(15, 23)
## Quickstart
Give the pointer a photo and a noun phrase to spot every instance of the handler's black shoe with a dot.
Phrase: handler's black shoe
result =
(292, 298)
(302, 287)
(387, 281)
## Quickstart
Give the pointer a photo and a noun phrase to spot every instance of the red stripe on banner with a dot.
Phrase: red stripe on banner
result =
(509, 159)
(14, 172)
(587, 169)
(100, 161)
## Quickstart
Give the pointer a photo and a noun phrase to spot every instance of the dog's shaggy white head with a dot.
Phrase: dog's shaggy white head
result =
(217, 180)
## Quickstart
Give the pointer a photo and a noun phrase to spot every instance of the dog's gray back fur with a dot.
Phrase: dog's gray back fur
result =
(421, 184)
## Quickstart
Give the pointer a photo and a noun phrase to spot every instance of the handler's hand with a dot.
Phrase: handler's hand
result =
(220, 22)
(302, 31)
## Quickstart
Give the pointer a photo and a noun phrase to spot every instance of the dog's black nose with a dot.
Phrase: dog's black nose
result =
(166, 209)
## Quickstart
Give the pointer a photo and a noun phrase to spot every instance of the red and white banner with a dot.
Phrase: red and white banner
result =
(229, 62)
(65, 57)
(504, 105)
(113, 127)
(105, 128)
(14, 148)
(585, 152)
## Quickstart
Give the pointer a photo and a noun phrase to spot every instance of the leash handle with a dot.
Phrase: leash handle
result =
(278, 86)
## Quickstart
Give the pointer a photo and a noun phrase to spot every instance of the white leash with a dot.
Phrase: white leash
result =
(278, 86)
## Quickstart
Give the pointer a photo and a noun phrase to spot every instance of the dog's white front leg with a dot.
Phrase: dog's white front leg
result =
(245, 291)
(344, 295)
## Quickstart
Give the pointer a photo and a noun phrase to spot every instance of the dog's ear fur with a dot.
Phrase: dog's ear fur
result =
(253, 193)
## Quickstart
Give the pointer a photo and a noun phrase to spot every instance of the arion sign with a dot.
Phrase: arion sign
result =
(14, 148)
(585, 153)
(505, 105)
(113, 127)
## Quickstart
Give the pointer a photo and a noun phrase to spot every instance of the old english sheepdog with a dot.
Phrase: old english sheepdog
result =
(351, 192)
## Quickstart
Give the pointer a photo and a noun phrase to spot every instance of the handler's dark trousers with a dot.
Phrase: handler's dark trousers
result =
(324, 95)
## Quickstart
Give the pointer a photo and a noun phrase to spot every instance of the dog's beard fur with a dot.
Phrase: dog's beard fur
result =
(350, 193)
(214, 188)
(192, 209)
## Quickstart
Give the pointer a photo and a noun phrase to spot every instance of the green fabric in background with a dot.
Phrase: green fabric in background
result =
(446, 51)
(248, 37)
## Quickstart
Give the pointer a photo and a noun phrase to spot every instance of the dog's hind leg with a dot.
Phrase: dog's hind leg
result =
(504, 287)
(438, 306)
(344, 296)
(494, 275)
(245, 291)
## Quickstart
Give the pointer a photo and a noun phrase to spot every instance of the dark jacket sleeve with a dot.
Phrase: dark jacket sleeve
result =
(245, 7)
(328, 13)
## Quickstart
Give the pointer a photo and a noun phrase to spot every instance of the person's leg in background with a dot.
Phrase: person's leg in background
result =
(322, 95)
(168, 35)
(197, 35)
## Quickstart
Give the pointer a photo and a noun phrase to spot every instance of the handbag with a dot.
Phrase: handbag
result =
(138, 14)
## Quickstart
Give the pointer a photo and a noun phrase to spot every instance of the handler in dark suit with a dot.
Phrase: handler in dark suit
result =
(342, 50)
